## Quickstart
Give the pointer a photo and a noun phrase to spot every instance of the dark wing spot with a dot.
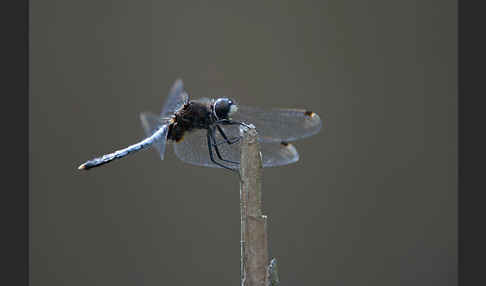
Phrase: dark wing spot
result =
(285, 144)
(309, 113)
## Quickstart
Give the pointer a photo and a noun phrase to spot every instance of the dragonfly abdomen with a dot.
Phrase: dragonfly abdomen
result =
(125, 151)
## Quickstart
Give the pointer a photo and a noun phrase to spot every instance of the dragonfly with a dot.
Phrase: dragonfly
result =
(206, 131)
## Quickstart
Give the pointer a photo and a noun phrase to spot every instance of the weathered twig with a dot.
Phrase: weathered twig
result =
(272, 273)
(255, 268)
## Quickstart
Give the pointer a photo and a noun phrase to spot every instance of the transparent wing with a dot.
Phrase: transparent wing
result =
(176, 99)
(278, 154)
(151, 123)
(279, 125)
(193, 149)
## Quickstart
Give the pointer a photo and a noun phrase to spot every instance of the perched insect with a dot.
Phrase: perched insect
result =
(206, 132)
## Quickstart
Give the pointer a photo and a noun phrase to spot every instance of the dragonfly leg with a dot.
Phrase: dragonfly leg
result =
(229, 141)
(217, 149)
(231, 122)
(226, 139)
(211, 156)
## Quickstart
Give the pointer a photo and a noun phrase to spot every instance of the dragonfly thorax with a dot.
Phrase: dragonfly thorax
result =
(193, 115)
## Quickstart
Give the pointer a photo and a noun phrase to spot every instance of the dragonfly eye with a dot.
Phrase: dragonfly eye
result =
(223, 107)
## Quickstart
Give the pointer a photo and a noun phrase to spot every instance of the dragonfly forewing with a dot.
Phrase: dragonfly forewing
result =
(280, 125)
(176, 99)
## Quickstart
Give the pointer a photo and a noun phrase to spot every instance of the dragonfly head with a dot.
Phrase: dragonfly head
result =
(224, 107)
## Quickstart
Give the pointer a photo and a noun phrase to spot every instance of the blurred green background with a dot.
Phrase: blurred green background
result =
(371, 202)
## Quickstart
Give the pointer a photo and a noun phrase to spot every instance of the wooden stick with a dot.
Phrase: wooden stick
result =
(254, 238)
(272, 273)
